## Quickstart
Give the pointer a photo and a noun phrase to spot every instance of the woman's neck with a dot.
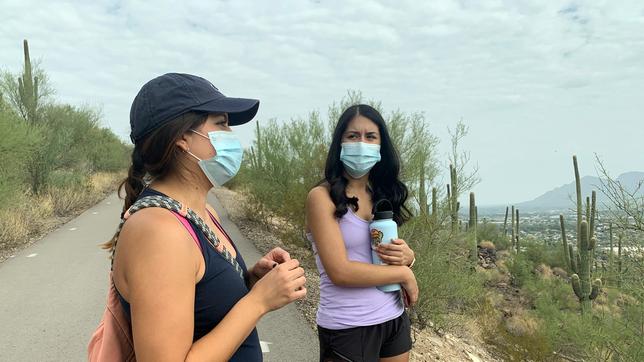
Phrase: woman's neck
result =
(359, 185)
(193, 194)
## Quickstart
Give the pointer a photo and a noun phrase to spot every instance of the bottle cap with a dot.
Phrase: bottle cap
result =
(383, 210)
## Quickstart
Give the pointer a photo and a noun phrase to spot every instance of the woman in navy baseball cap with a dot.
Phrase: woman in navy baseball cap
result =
(180, 278)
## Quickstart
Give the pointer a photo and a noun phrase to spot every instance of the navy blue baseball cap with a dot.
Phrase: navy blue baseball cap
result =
(167, 97)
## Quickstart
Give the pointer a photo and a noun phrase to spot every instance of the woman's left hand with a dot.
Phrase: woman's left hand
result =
(269, 261)
(396, 253)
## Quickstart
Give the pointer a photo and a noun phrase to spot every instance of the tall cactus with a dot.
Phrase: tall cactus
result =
(516, 244)
(593, 215)
(565, 243)
(587, 208)
(28, 88)
(581, 282)
(513, 233)
(472, 226)
(472, 211)
(505, 222)
(434, 203)
(582, 262)
(476, 215)
(578, 189)
(454, 205)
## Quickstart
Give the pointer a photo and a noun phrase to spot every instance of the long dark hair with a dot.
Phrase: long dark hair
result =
(383, 177)
(155, 156)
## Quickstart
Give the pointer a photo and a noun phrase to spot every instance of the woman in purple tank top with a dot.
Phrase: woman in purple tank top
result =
(356, 321)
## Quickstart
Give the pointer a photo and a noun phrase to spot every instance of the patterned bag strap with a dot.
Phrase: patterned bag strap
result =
(173, 205)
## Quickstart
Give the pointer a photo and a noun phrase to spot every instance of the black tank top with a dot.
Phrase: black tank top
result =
(216, 293)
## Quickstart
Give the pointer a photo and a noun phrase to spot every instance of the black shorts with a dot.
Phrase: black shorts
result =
(366, 344)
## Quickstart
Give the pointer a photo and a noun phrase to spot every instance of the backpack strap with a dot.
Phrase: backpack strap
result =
(188, 227)
(175, 206)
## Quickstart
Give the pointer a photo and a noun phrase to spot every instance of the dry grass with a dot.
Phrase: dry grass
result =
(543, 271)
(559, 272)
(495, 276)
(32, 216)
(105, 182)
(521, 324)
(13, 227)
(487, 245)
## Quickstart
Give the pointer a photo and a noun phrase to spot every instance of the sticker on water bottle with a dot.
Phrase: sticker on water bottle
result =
(376, 238)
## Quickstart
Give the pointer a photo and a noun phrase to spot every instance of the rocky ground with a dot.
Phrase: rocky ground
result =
(429, 345)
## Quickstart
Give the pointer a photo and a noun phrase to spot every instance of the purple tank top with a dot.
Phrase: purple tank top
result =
(347, 307)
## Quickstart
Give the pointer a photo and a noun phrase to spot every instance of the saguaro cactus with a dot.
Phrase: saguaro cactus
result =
(434, 202)
(453, 198)
(578, 189)
(28, 88)
(516, 243)
(581, 264)
(505, 222)
(472, 226)
(581, 282)
(513, 233)
(567, 255)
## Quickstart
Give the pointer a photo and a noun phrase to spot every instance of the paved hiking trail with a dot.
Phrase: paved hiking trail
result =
(52, 294)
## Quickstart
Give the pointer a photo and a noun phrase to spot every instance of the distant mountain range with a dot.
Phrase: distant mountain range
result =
(563, 197)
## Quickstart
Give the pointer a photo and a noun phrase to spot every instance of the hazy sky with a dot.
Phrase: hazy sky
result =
(536, 81)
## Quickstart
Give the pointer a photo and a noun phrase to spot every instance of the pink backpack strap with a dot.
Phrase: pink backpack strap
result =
(188, 227)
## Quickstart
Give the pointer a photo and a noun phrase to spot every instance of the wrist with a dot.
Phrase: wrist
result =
(255, 303)
(412, 262)
(408, 275)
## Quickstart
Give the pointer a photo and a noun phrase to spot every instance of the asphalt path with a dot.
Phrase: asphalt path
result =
(52, 294)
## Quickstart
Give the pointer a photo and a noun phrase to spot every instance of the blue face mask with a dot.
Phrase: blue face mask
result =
(359, 158)
(226, 163)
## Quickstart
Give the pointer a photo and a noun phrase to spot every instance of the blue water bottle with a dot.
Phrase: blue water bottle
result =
(383, 229)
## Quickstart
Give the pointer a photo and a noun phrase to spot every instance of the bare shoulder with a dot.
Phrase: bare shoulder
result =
(319, 193)
(320, 199)
(154, 230)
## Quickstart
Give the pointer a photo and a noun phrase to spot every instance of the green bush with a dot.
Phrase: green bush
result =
(18, 145)
(107, 152)
(71, 140)
(603, 336)
(448, 282)
(65, 179)
(521, 268)
(551, 255)
(490, 232)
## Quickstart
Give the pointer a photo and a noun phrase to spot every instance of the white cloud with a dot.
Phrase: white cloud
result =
(536, 81)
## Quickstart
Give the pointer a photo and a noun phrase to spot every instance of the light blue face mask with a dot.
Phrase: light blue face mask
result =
(359, 158)
(226, 163)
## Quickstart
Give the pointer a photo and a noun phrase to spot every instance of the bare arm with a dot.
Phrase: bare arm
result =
(330, 246)
(161, 264)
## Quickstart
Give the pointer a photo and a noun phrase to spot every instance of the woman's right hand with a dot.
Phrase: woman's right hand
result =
(280, 286)
(410, 286)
